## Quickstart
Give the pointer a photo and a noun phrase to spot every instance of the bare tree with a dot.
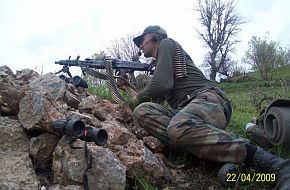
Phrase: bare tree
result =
(124, 48)
(220, 26)
(228, 68)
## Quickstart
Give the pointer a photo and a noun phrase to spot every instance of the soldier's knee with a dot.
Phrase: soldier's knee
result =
(177, 126)
(141, 110)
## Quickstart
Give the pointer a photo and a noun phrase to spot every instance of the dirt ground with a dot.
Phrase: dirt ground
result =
(196, 174)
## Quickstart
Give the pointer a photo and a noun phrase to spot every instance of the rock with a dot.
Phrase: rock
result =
(71, 99)
(26, 75)
(141, 162)
(13, 137)
(49, 84)
(41, 148)
(39, 100)
(17, 171)
(154, 144)
(69, 164)
(101, 109)
(118, 134)
(15, 165)
(37, 110)
(6, 71)
(10, 92)
(86, 118)
(89, 103)
(138, 159)
(69, 187)
(126, 113)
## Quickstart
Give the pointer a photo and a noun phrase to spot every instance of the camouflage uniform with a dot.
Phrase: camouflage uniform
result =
(197, 127)
(198, 113)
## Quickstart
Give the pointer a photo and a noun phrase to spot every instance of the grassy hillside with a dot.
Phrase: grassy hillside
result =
(246, 95)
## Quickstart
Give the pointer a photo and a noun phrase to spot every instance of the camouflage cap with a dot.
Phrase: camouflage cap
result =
(150, 29)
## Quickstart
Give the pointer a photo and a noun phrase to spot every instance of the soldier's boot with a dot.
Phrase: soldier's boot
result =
(258, 135)
(226, 174)
(269, 163)
(264, 162)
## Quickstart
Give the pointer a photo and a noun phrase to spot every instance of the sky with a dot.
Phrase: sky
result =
(36, 33)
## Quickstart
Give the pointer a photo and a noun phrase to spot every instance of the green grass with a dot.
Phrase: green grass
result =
(142, 184)
(101, 91)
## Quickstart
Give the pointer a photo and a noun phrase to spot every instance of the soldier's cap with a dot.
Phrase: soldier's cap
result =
(150, 29)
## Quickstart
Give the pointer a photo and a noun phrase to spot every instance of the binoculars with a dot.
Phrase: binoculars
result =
(76, 80)
(77, 129)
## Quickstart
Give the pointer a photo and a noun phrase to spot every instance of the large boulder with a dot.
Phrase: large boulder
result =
(15, 165)
(70, 162)
(17, 171)
(138, 159)
(10, 92)
(41, 149)
(13, 137)
(37, 110)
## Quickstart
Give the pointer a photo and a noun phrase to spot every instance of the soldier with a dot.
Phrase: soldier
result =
(199, 111)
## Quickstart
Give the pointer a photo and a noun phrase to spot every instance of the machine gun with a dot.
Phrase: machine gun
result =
(119, 65)
(121, 68)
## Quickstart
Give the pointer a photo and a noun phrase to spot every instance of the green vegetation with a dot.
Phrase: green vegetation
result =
(102, 91)
(142, 184)
(247, 96)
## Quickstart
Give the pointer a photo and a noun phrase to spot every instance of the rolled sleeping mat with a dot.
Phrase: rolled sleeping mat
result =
(277, 125)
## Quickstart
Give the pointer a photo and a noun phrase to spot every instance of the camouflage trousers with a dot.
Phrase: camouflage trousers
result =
(197, 127)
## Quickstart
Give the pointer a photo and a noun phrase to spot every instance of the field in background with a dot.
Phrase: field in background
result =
(247, 95)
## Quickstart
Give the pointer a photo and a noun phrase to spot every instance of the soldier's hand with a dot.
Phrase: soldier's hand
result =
(121, 84)
(134, 102)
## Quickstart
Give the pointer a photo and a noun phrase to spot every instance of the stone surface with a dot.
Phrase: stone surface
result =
(69, 164)
(37, 110)
(141, 162)
(12, 136)
(17, 171)
(10, 92)
(15, 165)
(41, 148)
(154, 144)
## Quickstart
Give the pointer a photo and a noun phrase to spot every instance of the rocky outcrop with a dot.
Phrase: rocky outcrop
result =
(33, 155)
